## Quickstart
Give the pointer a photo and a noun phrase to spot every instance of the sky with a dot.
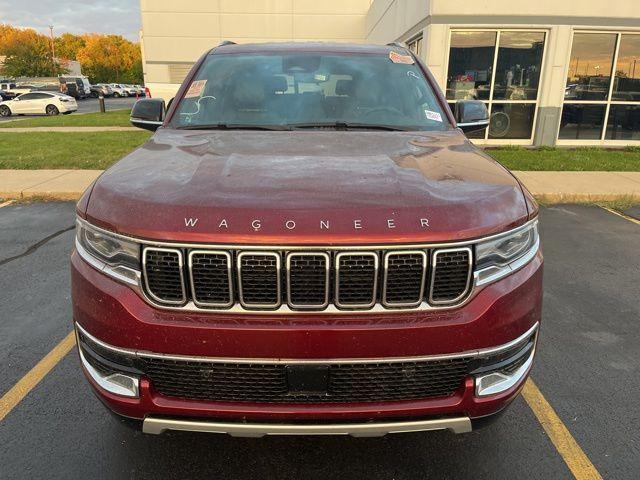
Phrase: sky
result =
(119, 17)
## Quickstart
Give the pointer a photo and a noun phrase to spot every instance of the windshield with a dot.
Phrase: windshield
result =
(307, 91)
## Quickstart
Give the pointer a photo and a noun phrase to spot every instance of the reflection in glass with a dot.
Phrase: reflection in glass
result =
(626, 86)
(623, 123)
(511, 120)
(478, 133)
(583, 122)
(590, 66)
(519, 64)
(470, 65)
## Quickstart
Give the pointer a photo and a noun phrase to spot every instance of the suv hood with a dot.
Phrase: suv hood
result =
(307, 187)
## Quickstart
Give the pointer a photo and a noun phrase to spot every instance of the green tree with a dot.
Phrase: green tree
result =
(30, 56)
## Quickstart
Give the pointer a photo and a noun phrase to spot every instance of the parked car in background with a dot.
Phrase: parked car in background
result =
(6, 95)
(119, 90)
(131, 90)
(7, 85)
(101, 89)
(141, 90)
(44, 103)
(75, 87)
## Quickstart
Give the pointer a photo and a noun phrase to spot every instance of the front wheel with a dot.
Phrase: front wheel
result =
(117, 95)
(52, 110)
(4, 111)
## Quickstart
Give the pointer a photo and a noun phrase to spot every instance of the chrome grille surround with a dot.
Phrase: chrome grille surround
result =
(192, 283)
(434, 271)
(357, 276)
(385, 283)
(136, 280)
(149, 289)
(327, 279)
(276, 287)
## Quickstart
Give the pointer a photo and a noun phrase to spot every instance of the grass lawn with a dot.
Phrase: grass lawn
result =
(94, 150)
(564, 159)
(111, 118)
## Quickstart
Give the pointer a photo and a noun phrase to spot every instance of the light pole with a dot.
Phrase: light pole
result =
(53, 50)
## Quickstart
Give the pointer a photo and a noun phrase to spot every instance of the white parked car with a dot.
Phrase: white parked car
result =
(119, 90)
(47, 103)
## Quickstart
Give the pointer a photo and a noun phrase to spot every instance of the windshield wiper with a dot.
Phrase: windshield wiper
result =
(233, 126)
(349, 126)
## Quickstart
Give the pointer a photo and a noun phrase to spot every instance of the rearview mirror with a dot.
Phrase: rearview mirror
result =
(471, 115)
(148, 113)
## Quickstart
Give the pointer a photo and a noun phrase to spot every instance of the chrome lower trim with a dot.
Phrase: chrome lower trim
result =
(116, 383)
(498, 382)
(156, 426)
(320, 361)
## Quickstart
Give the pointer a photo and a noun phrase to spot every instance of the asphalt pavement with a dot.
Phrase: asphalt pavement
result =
(88, 105)
(587, 368)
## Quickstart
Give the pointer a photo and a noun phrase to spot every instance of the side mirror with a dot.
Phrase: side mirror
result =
(471, 115)
(148, 113)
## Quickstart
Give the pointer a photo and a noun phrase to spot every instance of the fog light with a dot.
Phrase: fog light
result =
(117, 383)
(501, 381)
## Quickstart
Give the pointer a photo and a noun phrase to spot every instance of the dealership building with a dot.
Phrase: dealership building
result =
(550, 72)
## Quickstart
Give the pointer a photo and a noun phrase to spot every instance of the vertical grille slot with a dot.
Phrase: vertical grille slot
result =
(356, 279)
(451, 275)
(163, 275)
(259, 279)
(308, 280)
(210, 277)
(404, 276)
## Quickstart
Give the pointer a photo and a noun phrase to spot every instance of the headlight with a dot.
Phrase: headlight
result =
(120, 256)
(500, 256)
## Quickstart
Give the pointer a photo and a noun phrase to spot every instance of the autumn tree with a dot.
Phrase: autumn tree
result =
(67, 46)
(28, 54)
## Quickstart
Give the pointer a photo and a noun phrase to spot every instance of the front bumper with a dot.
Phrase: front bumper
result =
(500, 313)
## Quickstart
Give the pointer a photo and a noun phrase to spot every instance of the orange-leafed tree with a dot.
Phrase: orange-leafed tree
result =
(110, 58)
(68, 45)
(28, 53)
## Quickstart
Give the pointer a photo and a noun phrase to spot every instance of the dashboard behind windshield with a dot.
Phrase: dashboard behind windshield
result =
(309, 89)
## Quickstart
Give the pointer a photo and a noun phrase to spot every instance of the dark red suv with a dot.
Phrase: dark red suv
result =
(307, 245)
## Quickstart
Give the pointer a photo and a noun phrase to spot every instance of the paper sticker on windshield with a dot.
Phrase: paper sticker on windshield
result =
(397, 58)
(435, 116)
(195, 89)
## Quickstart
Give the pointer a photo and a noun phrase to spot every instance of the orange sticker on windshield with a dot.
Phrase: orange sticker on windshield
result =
(195, 89)
(397, 58)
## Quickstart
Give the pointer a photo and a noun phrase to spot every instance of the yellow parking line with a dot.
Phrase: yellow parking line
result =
(27, 383)
(565, 444)
(6, 204)
(620, 214)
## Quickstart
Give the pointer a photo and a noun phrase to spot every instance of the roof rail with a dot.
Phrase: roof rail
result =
(397, 44)
(226, 42)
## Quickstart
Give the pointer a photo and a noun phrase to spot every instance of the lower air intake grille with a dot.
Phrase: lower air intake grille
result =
(451, 275)
(163, 275)
(267, 383)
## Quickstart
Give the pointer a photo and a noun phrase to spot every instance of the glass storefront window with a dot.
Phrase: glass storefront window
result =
(626, 86)
(623, 122)
(590, 66)
(415, 46)
(511, 120)
(470, 65)
(581, 122)
(518, 66)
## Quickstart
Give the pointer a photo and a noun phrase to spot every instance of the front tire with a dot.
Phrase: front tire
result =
(51, 110)
(5, 111)
(117, 95)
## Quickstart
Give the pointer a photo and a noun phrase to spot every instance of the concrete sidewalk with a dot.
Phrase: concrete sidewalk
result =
(550, 187)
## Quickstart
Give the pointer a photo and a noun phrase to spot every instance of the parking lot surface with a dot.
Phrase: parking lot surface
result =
(88, 105)
(587, 369)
